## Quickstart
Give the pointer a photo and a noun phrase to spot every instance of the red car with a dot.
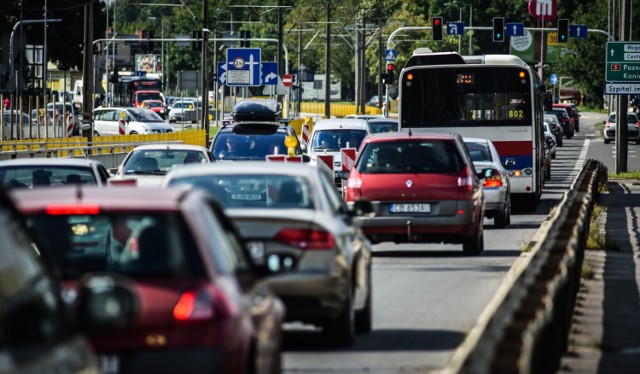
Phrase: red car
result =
(157, 106)
(202, 307)
(423, 188)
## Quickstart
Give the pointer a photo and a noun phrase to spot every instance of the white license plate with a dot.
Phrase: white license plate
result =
(246, 196)
(109, 364)
(410, 208)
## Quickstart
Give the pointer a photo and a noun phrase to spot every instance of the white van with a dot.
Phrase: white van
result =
(332, 134)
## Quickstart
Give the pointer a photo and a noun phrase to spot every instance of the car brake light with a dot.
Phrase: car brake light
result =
(72, 209)
(493, 181)
(194, 305)
(465, 182)
(354, 183)
(306, 239)
(123, 182)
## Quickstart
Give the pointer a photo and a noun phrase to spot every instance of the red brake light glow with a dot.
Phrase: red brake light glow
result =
(306, 239)
(465, 182)
(72, 209)
(193, 305)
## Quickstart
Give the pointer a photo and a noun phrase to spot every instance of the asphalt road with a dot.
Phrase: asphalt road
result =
(427, 297)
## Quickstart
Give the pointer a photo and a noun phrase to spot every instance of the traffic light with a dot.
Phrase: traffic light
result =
(387, 78)
(436, 28)
(498, 29)
(197, 44)
(563, 30)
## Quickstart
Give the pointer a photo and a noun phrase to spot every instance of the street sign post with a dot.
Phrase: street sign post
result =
(269, 73)
(390, 55)
(243, 67)
(554, 79)
(515, 29)
(623, 62)
(222, 72)
(287, 79)
(578, 31)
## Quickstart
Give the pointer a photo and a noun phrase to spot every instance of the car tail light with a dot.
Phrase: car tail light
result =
(72, 209)
(493, 181)
(306, 239)
(194, 305)
(465, 182)
(123, 182)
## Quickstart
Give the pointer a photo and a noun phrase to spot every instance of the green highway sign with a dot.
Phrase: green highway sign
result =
(623, 62)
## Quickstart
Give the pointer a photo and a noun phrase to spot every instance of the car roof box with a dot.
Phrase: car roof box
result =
(256, 110)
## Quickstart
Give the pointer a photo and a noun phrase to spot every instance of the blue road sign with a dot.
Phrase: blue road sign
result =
(515, 29)
(269, 73)
(243, 67)
(455, 28)
(222, 72)
(578, 31)
(554, 78)
(390, 55)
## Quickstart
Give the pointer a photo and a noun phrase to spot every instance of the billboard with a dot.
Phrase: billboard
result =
(149, 62)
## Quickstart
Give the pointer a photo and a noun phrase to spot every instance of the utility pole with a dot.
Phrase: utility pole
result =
(204, 76)
(381, 67)
(622, 146)
(298, 103)
(363, 48)
(327, 64)
(87, 72)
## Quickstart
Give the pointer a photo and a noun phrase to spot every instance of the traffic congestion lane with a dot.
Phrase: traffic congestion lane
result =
(427, 297)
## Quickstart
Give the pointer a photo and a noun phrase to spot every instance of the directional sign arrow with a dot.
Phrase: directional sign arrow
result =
(453, 28)
(270, 77)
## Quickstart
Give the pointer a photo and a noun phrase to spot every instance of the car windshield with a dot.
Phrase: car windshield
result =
(253, 191)
(141, 245)
(145, 116)
(142, 96)
(334, 140)
(30, 176)
(479, 151)
(551, 118)
(153, 104)
(409, 156)
(380, 126)
(231, 146)
(159, 161)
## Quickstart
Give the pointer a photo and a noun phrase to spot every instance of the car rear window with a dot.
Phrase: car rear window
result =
(631, 118)
(159, 161)
(479, 151)
(334, 140)
(39, 176)
(140, 245)
(253, 191)
(236, 146)
(414, 156)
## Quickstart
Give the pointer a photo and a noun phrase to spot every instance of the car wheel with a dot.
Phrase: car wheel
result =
(553, 155)
(502, 219)
(473, 245)
(133, 133)
(364, 318)
(607, 141)
(95, 133)
(341, 330)
(638, 141)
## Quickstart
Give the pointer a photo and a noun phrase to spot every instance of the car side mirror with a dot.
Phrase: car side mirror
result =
(303, 147)
(488, 173)
(344, 174)
(106, 301)
(510, 162)
(306, 159)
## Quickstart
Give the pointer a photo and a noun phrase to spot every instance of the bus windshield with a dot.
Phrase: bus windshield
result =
(466, 97)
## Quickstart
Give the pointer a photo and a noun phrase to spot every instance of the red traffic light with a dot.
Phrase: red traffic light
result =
(436, 22)
(390, 67)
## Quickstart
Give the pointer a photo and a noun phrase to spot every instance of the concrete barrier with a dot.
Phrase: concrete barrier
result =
(524, 328)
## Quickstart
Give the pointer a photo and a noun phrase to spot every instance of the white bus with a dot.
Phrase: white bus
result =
(498, 97)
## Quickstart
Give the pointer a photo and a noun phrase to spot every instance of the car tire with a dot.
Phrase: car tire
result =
(553, 156)
(364, 318)
(133, 133)
(638, 141)
(607, 141)
(95, 133)
(474, 244)
(502, 219)
(341, 330)
(559, 141)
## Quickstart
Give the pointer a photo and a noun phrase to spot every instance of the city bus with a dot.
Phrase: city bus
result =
(124, 91)
(498, 97)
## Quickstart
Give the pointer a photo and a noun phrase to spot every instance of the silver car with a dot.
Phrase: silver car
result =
(294, 210)
(497, 189)
(146, 165)
(44, 172)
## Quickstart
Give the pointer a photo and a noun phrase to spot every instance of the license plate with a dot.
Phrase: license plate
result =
(246, 196)
(410, 208)
(109, 364)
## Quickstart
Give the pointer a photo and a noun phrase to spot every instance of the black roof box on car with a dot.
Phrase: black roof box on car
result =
(256, 110)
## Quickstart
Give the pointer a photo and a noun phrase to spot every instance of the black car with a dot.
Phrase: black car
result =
(40, 330)
(255, 132)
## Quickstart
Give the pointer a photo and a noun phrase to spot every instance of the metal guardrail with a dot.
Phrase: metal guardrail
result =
(525, 327)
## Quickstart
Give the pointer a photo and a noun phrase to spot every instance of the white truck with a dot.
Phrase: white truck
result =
(315, 91)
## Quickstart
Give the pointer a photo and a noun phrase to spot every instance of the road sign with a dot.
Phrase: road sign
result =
(622, 88)
(222, 72)
(390, 55)
(269, 73)
(243, 67)
(554, 78)
(455, 28)
(515, 29)
(623, 62)
(287, 79)
(578, 31)
(544, 10)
